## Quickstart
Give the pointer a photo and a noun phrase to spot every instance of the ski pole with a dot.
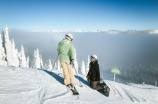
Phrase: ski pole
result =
(55, 61)
(77, 75)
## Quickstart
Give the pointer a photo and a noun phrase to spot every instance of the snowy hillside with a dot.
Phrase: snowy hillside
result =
(35, 86)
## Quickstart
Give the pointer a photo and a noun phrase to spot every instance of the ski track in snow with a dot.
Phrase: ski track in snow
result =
(118, 92)
(111, 88)
(54, 96)
(34, 86)
(134, 93)
(133, 98)
(114, 89)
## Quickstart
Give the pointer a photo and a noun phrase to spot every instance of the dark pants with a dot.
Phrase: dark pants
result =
(96, 86)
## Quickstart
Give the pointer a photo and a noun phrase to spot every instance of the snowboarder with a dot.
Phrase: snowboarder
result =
(94, 74)
(66, 57)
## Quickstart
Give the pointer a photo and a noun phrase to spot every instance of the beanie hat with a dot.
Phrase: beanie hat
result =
(95, 56)
(69, 36)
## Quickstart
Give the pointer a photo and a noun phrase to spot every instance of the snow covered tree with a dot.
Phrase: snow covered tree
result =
(75, 61)
(58, 67)
(22, 57)
(14, 55)
(7, 46)
(83, 69)
(41, 61)
(50, 65)
(55, 66)
(45, 66)
(87, 67)
(2, 53)
(36, 60)
(27, 62)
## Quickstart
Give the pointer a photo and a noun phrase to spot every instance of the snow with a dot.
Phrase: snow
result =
(153, 32)
(104, 31)
(14, 54)
(76, 67)
(2, 53)
(87, 67)
(7, 46)
(58, 65)
(9, 54)
(41, 62)
(83, 70)
(36, 61)
(35, 86)
(50, 65)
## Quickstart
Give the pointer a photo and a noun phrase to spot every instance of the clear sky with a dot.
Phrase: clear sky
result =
(79, 14)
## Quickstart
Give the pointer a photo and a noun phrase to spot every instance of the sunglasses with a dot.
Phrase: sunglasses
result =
(92, 57)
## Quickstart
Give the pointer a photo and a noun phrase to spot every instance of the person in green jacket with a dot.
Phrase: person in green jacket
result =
(66, 57)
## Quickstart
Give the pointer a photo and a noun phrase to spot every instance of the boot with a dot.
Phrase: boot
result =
(72, 86)
(69, 86)
(74, 90)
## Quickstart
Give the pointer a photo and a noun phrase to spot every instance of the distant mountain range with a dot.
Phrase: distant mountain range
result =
(131, 31)
(106, 31)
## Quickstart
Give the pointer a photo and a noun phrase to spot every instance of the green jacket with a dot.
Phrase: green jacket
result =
(66, 51)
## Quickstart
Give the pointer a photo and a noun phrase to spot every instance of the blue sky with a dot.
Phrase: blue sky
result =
(79, 14)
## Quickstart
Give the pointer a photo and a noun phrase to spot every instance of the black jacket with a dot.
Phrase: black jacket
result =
(94, 73)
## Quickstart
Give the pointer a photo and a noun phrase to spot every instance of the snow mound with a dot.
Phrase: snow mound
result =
(35, 86)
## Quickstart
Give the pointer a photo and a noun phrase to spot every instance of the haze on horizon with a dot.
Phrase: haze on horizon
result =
(111, 49)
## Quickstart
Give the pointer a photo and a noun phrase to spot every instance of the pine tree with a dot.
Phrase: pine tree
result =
(55, 66)
(14, 55)
(50, 65)
(83, 69)
(45, 66)
(36, 60)
(75, 62)
(58, 68)
(7, 46)
(22, 57)
(87, 67)
(27, 62)
(2, 53)
(41, 61)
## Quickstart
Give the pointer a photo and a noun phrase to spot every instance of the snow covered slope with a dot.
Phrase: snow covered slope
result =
(34, 86)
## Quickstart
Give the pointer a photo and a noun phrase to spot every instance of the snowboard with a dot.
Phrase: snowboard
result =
(106, 90)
